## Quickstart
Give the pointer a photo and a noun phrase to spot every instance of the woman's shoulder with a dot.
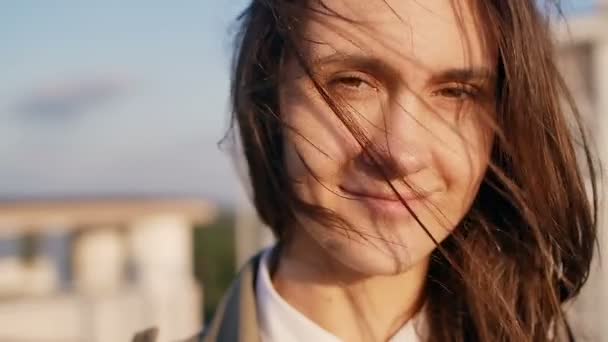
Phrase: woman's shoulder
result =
(146, 335)
(151, 335)
(235, 318)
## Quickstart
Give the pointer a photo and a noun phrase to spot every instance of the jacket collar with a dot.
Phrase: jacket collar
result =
(235, 318)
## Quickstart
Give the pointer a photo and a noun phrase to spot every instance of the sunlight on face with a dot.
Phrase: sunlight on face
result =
(417, 80)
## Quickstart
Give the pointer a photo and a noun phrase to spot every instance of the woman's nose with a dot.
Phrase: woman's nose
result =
(397, 160)
(401, 144)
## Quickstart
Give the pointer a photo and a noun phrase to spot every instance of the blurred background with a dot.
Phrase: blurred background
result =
(118, 211)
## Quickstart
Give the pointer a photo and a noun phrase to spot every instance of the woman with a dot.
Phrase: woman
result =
(418, 169)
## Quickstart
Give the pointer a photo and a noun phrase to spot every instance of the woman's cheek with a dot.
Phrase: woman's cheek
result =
(318, 138)
(464, 164)
(320, 155)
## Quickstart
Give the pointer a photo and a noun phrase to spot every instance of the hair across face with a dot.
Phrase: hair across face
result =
(386, 131)
(417, 83)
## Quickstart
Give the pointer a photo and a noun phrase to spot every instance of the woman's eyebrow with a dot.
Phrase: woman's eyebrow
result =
(466, 74)
(360, 61)
(372, 63)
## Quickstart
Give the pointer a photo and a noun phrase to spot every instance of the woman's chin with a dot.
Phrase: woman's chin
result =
(367, 259)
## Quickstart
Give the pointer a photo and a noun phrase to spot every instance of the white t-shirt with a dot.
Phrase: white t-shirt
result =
(280, 322)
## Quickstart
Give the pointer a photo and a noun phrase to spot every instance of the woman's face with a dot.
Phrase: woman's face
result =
(417, 79)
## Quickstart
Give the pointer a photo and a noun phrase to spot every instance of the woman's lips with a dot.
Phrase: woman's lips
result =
(385, 195)
(385, 202)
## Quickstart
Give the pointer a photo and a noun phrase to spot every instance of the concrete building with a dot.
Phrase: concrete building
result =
(131, 268)
(583, 56)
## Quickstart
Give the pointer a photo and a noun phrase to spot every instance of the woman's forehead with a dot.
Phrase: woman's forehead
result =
(429, 34)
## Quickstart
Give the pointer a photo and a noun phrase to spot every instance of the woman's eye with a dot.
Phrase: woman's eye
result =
(460, 92)
(352, 85)
(351, 82)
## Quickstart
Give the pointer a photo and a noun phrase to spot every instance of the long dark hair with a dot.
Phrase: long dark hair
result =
(526, 245)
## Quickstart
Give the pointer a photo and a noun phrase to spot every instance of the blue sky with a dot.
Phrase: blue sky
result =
(116, 98)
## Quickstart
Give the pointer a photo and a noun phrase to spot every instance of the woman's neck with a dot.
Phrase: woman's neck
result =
(351, 306)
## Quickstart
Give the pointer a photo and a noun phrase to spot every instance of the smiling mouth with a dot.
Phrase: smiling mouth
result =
(384, 196)
(387, 203)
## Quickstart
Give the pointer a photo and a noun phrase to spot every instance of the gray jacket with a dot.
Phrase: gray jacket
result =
(235, 319)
